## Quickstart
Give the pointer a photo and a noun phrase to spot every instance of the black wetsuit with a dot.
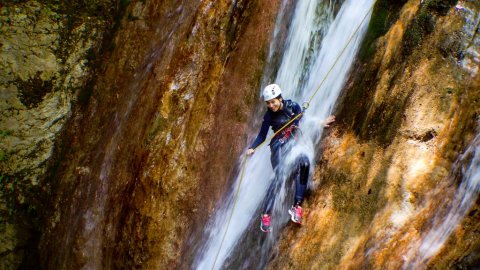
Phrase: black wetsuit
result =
(280, 147)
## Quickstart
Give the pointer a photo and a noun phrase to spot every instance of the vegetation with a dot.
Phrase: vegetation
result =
(424, 23)
(385, 13)
(420, 27)
(5, 133)
(3, 155)
(440, 6)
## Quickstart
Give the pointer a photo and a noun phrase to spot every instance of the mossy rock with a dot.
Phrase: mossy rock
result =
(450, 45)
(440, 6)
(385, 13)
(417, 30)
(33, 90)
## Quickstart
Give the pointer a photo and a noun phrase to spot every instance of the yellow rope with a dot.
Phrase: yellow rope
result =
(242, 172)
(244, 161)
(343, 50)
(233, 207)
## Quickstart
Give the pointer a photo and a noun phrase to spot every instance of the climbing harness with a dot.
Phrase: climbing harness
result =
(305, 106)
(287, 133)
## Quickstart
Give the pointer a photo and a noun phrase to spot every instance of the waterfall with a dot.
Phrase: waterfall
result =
(468, 166)
(95, 217)
(314, 43)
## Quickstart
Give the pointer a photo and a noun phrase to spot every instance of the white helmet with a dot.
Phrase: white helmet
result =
(271, 91)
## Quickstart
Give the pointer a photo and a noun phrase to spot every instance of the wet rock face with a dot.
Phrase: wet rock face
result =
(152, 150)
(45, 57)
(155, 137)
(409, 110)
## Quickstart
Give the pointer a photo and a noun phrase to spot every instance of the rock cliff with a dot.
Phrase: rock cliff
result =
(47, 59)
(122, 122)
(410, 108)
(151, 152)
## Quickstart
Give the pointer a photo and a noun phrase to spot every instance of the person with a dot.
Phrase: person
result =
(280, 111)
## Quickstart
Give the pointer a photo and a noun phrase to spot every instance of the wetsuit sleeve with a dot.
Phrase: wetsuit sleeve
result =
(262, 135)
(296, 110)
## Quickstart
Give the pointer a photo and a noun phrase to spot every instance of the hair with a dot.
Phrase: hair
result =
(279, 96)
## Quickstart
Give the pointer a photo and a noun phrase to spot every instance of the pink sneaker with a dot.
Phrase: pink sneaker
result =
(296, 213)
(265, 223)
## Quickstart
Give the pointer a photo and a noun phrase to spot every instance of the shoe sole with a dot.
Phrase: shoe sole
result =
(292, 217)
(264, 230)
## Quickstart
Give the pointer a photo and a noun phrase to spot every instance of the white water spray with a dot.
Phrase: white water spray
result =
(304, 65)
(469, 165)
(470, 60)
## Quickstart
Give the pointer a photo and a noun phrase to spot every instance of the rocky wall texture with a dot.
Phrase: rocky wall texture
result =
(46, 57)
(410, 108)
(143, 164)
(151, 132)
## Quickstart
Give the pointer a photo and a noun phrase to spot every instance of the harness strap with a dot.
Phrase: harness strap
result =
(287, 133)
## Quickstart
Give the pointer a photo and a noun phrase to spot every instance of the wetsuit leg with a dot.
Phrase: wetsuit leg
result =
(276, 149)
(271, 194)
(275, 158)
(302, 173)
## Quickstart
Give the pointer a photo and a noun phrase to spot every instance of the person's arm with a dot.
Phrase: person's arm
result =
(328, 121)
(262, 134)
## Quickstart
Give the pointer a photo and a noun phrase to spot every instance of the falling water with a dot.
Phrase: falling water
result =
(314, 43)
(95, 216)
(93, 221)
(468, 165)
(470, 58)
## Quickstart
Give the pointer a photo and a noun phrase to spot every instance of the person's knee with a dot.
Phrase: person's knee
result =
(275, 159)
(304, 166)
(304, 163)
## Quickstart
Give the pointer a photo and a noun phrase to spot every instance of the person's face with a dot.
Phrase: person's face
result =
(274, 104)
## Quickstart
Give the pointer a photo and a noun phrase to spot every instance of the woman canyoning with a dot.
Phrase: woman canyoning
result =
(283, 116)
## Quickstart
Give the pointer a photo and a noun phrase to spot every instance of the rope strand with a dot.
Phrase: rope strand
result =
(244, 161)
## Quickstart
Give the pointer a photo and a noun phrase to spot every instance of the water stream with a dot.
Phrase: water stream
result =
(467, 168)
(314, 41)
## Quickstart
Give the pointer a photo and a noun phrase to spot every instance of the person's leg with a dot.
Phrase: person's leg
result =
(301, 178)
(272, 189)
(271, 194)
(275, 156)
(301, 175)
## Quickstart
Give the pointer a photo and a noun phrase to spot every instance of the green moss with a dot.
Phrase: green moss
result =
(131, 17)
(158, 125)
(8, 189)
(385, 13)
(440, 6)
(3, 155)
(5, 133)
(2, 179)
(379, 122)
(418, 29)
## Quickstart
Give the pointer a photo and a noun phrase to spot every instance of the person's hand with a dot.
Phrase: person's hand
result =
(250, 151)
(329, 120)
